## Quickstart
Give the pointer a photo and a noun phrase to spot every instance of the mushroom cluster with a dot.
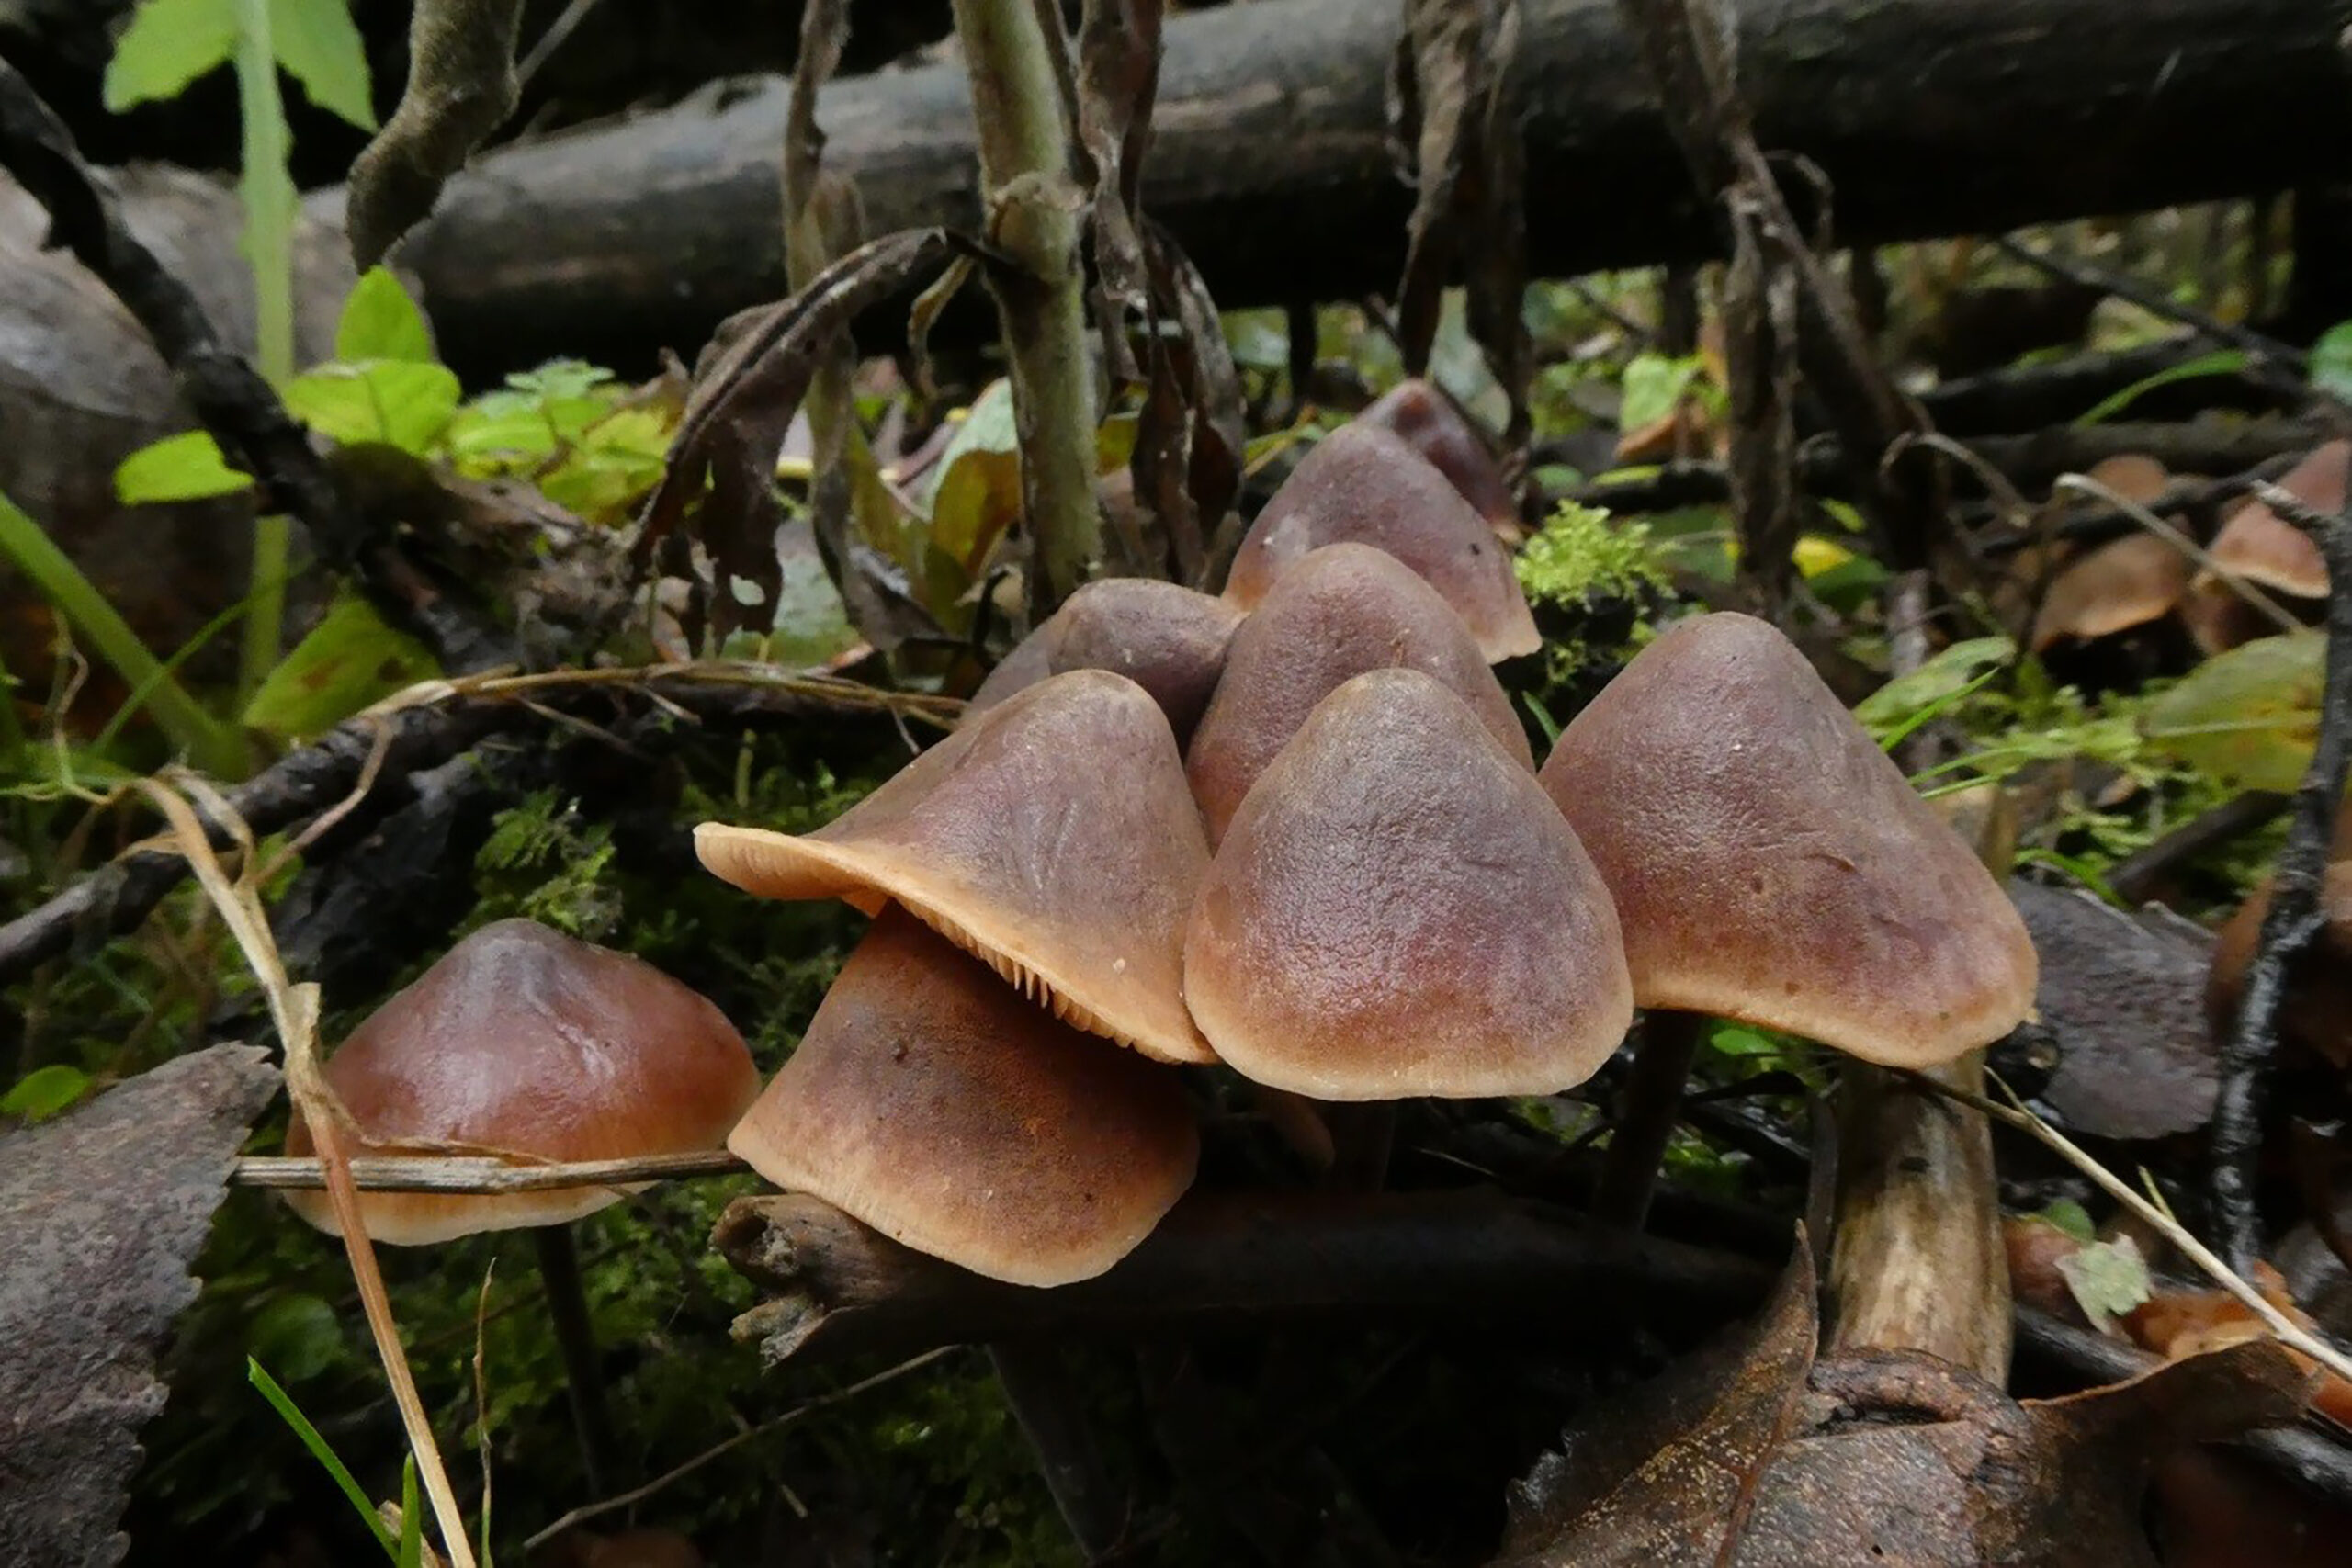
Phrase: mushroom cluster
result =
(1298, 831)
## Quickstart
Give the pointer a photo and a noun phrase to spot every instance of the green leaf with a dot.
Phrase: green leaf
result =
(2066, 1214)
(2107, 1278)
(2331, 362)
(380, 321)
(2221, 362)
(1905, 702)
(350, 659)
(299, 1335)
(168, 44)
(978, 494)
(45, 1091)
(1731, 1040)
(293, 1416)
(393, 400)
(187, 466)
(411, 1546)
(320, 47)
(1654, 384)
(2249, 717)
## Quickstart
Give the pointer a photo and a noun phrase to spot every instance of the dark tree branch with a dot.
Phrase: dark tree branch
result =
(236, 404)
(2294, 919)
(1225, 1259)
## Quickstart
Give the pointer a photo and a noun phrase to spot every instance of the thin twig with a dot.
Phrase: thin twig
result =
(583, 1514)
(476, 1175)
(2288, 1332)
(2294, 919)
(2272, 356)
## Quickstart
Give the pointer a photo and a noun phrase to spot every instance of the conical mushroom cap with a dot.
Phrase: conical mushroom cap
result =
(1771, 864)
(1397, 911)
(1342, 610)
(1167, 638)
(523, 1041)
(929, 1100)
(2270, 552)
(1426, 420)
(2316, 1011)
(2126, 583)
(1054, 838)
(1362, 485)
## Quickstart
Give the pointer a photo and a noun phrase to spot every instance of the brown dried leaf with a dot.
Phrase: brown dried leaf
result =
(1665, 1473)
(462, 86)
(1454, 103)
(721, 463)
(1189, 435)
(1118, 77)
(101, 1211)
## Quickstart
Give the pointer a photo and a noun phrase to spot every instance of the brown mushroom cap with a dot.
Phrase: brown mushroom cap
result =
(932, 1103)
(2270, 552)
(1426, 420)
(2134, 475)
(1053, 837)
(523, 1041)
(2316, 1012)
(1364, 485)
(2126, 583)
(1770, 864)
(1166, 638)
(1397, 911)
(1342, 610)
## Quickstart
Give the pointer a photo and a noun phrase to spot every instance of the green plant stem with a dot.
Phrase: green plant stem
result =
(1033, 205)
(212, 745)
(267, 190)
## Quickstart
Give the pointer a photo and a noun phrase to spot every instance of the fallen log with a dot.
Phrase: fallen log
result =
(1225, 1260)
(1269, 158)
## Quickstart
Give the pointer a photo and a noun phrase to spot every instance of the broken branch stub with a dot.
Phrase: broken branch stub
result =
(462, 86)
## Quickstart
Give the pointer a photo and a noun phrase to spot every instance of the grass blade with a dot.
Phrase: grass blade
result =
(283, 1403)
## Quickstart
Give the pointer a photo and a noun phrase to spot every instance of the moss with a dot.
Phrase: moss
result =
(1583, 553)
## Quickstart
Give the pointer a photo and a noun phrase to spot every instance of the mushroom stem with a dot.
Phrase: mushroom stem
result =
(1046, 1401)
(1646, 1111)
(1363, 1134)
(583, 1381)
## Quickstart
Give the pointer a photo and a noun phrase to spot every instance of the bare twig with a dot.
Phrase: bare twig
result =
(2273, 359)
(2294, 919)
(636, 1494)
(2289, 1331)
(481, 1174)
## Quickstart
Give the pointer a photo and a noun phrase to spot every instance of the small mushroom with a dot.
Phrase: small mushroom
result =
(1053, 838)
(931, 1101)
(1342, 610)
(1771, 866)
(1427, 420)
(522, 1042)
(1363, 485)
(2315, 1014)
(1397, 911)
(1168, 639)
(2258, 546)
(2125, 584)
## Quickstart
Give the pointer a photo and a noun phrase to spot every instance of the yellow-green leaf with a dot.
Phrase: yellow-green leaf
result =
(318, 45)
(168, 44)
(380, 321)
(394, 400)
(187, 466)
(978, 496)
(350, 659)
(2248, 718)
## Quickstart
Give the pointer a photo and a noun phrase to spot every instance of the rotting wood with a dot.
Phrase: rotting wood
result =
(1270, 160)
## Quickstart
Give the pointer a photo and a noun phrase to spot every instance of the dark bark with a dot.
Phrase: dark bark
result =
(1228, 1261)
(1269, 161)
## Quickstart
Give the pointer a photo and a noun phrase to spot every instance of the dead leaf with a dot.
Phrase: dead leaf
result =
(101, 1211)
(1118, 77)
(721, 463)
(1754, 1455)
(1455, 116)
(462, 86)
(1190, 435)
(2124, 997)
